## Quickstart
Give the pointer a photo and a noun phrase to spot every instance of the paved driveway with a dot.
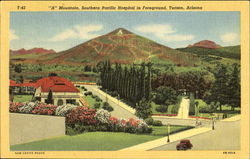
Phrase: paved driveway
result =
(118, 111)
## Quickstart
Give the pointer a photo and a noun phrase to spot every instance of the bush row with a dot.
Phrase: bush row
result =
(81, 119)
(97, 105)
(151, 121)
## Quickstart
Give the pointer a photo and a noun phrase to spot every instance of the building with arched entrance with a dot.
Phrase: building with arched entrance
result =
(60, 90)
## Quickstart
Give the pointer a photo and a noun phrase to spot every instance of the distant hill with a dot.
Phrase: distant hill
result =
(31, 51)
(205, 44)
(232, 52)
(121, 46)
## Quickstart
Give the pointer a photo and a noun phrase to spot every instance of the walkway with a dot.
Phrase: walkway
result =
(121, 110)
(183, 111)
(162, 141)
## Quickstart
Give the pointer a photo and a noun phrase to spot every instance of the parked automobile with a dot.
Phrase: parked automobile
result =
(184, 144)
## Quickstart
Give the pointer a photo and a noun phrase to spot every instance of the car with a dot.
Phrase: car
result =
(184, 144)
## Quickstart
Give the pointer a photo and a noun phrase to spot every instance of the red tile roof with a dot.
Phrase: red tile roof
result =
(28, 85)
(56, 84)
(13, 83)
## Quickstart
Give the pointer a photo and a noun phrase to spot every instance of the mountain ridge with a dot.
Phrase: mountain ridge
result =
(23, 51)
(208, 44)
(120, 46)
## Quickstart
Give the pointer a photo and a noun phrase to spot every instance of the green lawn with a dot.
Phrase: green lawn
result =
(22, 98)
(87, 141)
(225, 109)
(91, 101)
(162, 130)
(93, 141)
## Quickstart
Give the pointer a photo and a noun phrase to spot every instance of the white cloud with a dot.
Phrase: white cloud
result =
(159, 30)
(85, 32)
(78, 32)
(66, 34)
(229, 37)
(178, 38)
(164, 32)
(13, 36)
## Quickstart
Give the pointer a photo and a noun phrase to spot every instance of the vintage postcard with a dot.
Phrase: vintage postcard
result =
(120, 79)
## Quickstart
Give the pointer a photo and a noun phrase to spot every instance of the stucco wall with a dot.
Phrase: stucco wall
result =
(27, 127)
(177, 121)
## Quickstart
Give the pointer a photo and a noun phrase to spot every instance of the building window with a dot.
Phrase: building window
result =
(60, 102)
(71, 101)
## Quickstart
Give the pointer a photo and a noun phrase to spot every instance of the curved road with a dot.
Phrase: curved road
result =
(226, 136)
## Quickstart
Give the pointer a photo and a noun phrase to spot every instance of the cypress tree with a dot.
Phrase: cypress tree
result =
(143, 86)
(148, 82)
(50, 98)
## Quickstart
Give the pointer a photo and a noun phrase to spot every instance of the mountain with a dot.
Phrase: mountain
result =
(231, 52)
(121, 46)
(31, 51)
(205, 44)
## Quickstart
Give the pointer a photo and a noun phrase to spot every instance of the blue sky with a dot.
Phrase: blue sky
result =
(63, 30)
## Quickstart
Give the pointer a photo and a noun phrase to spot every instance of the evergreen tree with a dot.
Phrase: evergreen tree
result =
(219, 90)
(18, 68)
(50, 98)
(143, 85)
(143, 109)
(148, 82)
(234, 87)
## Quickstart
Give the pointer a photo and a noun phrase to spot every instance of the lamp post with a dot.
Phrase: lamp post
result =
(168, 130)
(213, 123)
(106, 95)
(118, 97)
(182, 112)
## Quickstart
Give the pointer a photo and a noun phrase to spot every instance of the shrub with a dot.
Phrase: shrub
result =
(102, 116)
(28, 107)
(161, 108)
(107, 107)
(81, 115)
(14, 106)
(192, 105)
(149, 121)
(208, 108)
(94, 96)
(114, 94)
(107, 123)
(45, 109)
(88, 93)
(165, 95)
(70, 131)
(97, 105)
(143, 127)
(98, 99)
(64, 109)
(175, 109)
(143, 109)
(157, 123)
(89, 128)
